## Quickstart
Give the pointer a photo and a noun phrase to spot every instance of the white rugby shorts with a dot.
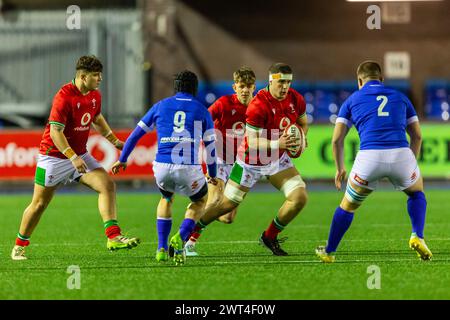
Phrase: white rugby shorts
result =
(186, 180)
(398, 165)
(51, 171)
(223, 170)
(247, 175)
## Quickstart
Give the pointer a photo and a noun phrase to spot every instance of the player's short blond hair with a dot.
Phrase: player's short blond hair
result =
(244, 74)
(369, 70)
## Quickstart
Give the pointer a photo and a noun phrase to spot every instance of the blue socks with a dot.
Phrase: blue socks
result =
(163, 225)
(417, 207)
(341, 222)
(186, 228)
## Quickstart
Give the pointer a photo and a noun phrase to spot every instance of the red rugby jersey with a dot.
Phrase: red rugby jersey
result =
(228, 114)
(266, 112)
(75, 112)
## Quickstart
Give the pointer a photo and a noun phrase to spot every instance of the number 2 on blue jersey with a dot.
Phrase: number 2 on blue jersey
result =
(382, 113)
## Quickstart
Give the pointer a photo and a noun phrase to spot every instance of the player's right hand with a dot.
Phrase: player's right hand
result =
(339, 177)
(79, 164)
(212, 181)
(115, 169)
(286, 141)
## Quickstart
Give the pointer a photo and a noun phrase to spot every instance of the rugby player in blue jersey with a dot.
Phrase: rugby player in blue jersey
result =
(182, 123)
(382, 116)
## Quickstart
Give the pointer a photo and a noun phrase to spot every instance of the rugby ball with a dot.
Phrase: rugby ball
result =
(296, 131)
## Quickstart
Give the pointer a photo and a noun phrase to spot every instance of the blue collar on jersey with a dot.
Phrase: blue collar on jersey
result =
(372, 82)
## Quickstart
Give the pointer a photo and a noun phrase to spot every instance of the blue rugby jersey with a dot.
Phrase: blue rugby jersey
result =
(181, 122)
(380, 115)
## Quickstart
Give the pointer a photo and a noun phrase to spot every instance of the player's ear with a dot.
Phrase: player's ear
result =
(360, 83)
(234, 87)
(83, 76)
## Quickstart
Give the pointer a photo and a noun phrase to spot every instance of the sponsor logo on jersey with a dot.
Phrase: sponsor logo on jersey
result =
(233, 112)
(413, 176)
(360, 180)
(93, 102)
(238, 128)
(85, 119)
(78, 105)
(284, 122)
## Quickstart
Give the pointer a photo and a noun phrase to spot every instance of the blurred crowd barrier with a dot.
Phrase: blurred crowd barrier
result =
(19, 150)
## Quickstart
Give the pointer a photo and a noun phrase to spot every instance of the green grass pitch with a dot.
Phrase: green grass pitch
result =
(232, 265)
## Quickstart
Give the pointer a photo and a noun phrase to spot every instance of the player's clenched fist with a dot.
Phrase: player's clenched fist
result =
(116, 167)
(79, 164)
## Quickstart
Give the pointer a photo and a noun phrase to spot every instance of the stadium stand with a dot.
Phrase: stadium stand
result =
(323, 98)
(437, 95)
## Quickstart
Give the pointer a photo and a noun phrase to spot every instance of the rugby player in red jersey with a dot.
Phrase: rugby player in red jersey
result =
(262, 153)
(63, 156)
(228, 113)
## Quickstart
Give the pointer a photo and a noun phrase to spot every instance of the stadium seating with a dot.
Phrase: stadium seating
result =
(437, 95)
(323, 98)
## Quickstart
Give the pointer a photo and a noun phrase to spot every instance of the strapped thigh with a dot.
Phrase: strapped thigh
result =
(292, 184)
(234, 193)
(354, 196)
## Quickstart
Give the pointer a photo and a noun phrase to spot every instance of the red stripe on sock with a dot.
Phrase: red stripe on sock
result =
(272, 231)
(194, 236)
(197, 229)
(23, 243)
(113, 231)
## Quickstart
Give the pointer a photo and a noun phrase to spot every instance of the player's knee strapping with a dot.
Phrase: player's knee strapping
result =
(234, 194)
(354, 196)
(292, 184)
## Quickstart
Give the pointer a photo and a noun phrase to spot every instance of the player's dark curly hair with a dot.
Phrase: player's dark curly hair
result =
(89, 63)
(186, 81)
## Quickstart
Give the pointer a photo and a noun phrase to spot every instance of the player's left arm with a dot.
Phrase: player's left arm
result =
(209, 139)
(415, 135)
(339, 134)
(302, 121)
(145, 125)
(413, 127)
(102, 127)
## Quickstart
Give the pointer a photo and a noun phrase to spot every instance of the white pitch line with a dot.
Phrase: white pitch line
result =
(320, 262)
(233, 242)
